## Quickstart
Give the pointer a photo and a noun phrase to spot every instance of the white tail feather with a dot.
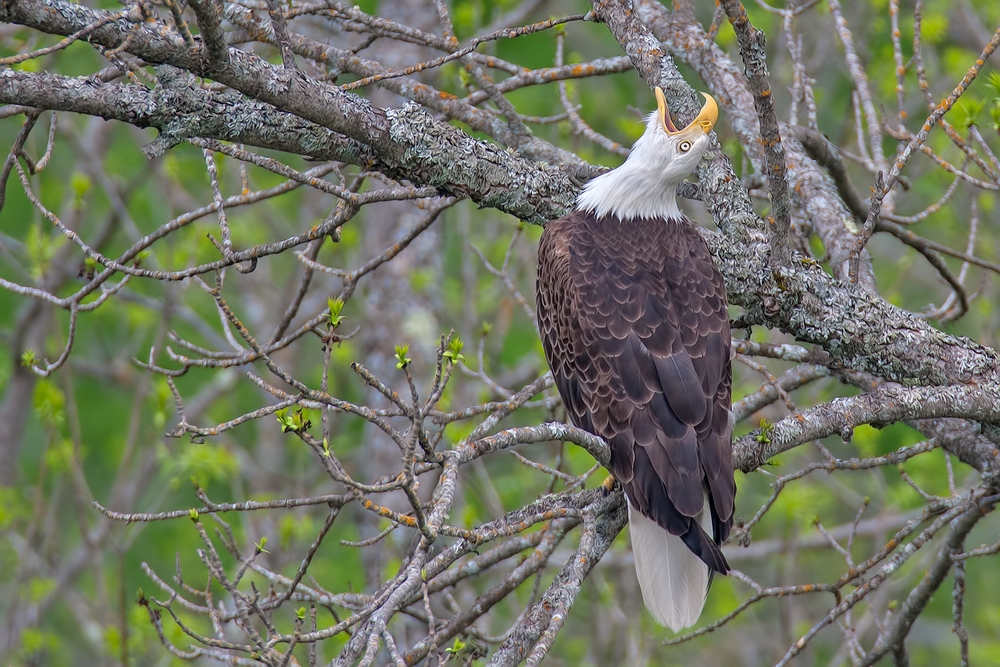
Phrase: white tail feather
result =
(673, 580)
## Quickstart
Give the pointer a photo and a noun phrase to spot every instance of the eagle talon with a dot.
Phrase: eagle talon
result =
(608, 485)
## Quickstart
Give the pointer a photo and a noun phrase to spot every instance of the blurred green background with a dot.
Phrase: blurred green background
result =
(94, 430)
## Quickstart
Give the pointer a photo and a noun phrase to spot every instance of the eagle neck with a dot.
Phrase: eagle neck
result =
(633, 190)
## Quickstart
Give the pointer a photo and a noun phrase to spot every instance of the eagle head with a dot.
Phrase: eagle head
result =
(671, 152)
(645, 185)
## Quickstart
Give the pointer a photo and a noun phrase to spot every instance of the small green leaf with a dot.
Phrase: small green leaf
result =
(764, 437)
(454, 351)
(296, 422)
(28, 358)
(300, 613)
(259, 546)
(326, 448)
(283, 420)
(456, 647)
(402, 361)
(333, 316)
(193, 514)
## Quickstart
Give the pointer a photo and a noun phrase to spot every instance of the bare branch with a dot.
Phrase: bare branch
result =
(754, 58)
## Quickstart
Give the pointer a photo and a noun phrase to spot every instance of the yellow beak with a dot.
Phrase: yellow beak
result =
(705, 120)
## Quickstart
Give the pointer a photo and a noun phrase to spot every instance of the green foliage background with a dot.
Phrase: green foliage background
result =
(99, 421)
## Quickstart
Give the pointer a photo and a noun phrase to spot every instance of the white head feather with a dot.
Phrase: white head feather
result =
(645, 186)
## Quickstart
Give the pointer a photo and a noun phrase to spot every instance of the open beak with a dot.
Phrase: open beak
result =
(705, 120)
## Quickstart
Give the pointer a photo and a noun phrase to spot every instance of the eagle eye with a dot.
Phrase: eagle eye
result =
(684, 146)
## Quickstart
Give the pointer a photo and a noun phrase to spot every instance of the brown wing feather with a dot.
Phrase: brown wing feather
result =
(634, 324)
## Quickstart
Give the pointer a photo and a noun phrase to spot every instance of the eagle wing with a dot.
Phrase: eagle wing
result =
(635, 327)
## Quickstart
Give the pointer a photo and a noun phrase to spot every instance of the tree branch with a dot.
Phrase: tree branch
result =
(398, 137)
(754, 58)
(803, 302)
(894, 636)
(883, 406)
(609, 518)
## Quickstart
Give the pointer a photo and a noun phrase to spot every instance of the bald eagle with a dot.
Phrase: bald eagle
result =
(633, 319)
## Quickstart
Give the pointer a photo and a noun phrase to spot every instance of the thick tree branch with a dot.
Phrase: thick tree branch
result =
(729, 202)
(815, 201)
(609, 518)
(801, 300)
(181, 111)
(886, 405)
(876, 338)
(435, 100)
(222, 86)
(400, 138)
(754, 58)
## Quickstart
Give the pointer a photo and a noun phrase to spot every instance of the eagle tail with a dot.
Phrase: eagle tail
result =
(674, 581)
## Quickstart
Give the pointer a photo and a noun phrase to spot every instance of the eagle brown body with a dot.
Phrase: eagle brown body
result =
(633, 319)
